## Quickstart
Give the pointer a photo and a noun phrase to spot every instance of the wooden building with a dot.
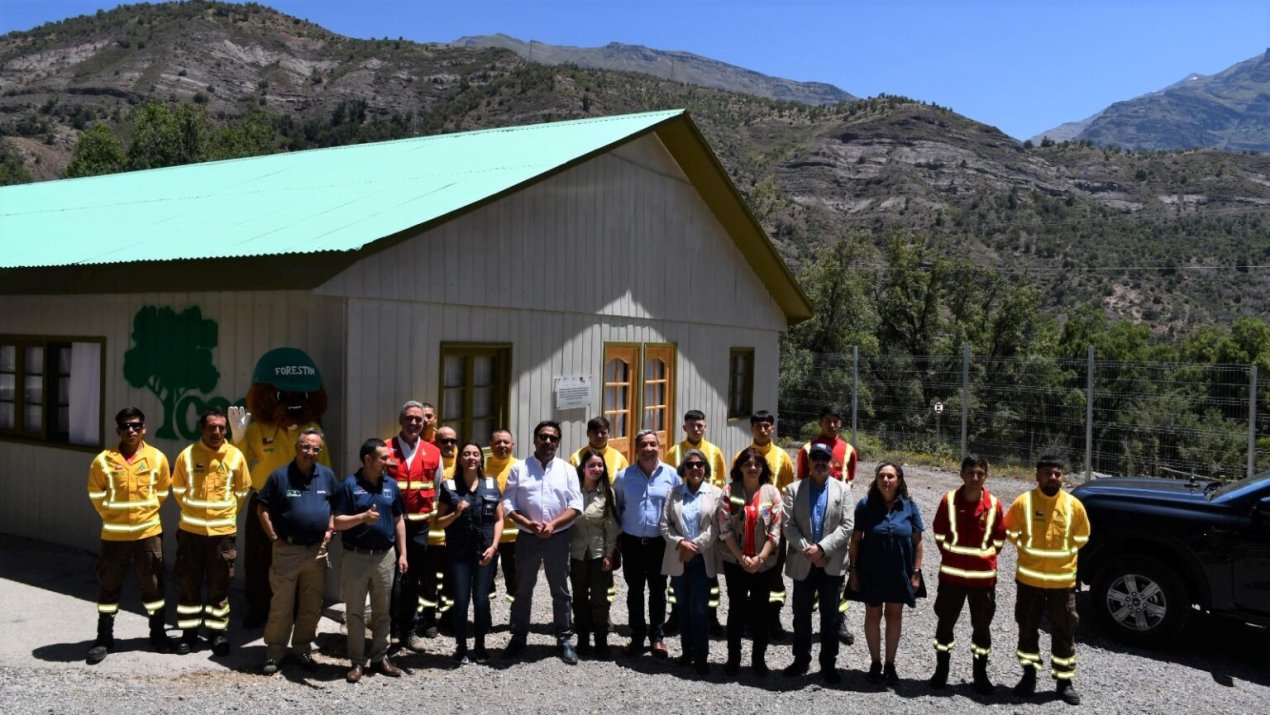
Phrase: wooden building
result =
(502, 275)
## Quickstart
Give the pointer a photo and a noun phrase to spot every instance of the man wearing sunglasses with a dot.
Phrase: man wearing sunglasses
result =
(127, 485)
(543, 498)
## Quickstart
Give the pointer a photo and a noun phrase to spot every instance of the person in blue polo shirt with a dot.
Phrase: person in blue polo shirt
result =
(370, 512)
(641, 491)
(295, 512)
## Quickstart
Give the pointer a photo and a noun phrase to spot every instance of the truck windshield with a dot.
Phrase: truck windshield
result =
(1240, 485)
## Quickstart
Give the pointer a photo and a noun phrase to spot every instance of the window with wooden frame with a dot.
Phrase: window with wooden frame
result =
(51, 390)
(475, 393)
(740, 383)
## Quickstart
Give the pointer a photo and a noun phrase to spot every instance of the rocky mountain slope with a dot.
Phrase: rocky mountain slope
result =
(1169, 238)
(1228, 110)
(677, 66)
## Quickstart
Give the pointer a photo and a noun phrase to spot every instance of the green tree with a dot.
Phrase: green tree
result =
(252, 135)
(170, 356)
(161, 137)
(11, 169)
(97, 151)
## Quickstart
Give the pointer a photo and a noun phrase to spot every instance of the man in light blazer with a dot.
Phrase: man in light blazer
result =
(818, 517)
(690, 529)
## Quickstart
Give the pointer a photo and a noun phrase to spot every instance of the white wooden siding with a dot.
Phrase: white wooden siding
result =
(614, 237)
(41, 485)
(545, 345)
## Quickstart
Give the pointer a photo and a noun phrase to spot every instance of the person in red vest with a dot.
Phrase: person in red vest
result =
(416, 466)
(970, 531)
(841, 466)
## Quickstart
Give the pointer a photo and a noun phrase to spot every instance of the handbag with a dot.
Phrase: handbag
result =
(920, 591)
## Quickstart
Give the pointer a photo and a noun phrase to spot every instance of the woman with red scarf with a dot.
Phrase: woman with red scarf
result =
(749, 519)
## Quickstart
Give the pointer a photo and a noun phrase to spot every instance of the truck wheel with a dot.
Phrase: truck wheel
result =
(1140, 600)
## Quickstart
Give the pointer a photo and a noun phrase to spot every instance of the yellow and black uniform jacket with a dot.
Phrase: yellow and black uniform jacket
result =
(128, 495)
(210, 486)
(1047, 531)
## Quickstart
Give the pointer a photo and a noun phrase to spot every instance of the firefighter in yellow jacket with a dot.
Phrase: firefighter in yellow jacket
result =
(210, 482)
(127, 485)
(1048, 526)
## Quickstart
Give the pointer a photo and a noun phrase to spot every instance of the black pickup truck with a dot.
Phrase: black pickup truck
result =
(1161, 547)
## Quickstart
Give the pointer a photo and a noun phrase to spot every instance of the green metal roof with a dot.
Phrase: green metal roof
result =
(338, 199)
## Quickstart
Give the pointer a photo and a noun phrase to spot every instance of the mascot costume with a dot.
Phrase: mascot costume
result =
(285, 398)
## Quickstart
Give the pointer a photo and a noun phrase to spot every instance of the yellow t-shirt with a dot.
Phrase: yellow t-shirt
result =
(778, 459)
(499, 469)
(714, 455)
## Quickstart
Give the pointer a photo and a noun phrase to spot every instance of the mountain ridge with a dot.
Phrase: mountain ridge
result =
(1084, 218)
(675, 65)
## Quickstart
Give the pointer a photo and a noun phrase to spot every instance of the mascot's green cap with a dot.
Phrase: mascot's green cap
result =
(288, 369)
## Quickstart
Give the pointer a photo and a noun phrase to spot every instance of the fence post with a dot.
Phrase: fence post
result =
(1252, 420)
(1089, 415)
(965, 395)
(855, 389)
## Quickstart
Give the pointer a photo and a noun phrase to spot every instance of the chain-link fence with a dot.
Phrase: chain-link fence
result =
(1105, 417)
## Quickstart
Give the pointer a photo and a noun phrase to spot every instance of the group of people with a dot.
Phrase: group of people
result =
(425, 521)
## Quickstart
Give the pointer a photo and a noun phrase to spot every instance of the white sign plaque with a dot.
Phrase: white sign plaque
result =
(573, 391)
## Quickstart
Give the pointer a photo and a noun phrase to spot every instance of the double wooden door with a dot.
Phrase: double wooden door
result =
(639, 393)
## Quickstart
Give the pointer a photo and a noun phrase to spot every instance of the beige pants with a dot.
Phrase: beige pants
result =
(297, 577)
(361, 573)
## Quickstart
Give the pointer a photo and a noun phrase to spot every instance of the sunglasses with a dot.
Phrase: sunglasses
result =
(132, 426)
(822, 460)
(547, 438)
(447, 441)
(694, 465)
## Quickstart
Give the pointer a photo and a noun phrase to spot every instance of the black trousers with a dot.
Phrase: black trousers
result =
(1060, 605)
(407, 591)
(748, 598)
(948, 604)
(641, 567)
(819, 587)
(590, 597)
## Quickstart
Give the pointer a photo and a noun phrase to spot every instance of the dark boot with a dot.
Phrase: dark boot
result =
(159, 640)
(602, 644)
(1026, 686)
(759, 661)
(1067, 692)
(105, 642)
(983, 685)
(189, 642)
(733, 666)
(939, 680)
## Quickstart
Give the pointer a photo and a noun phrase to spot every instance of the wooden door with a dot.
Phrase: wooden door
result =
(658, 380)
(621, 365)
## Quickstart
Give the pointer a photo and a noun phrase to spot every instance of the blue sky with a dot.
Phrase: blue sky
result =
(1021, 65)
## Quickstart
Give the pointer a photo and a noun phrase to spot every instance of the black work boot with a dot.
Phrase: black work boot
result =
(159, 640)
(188, 643)
(1026, 686)
(983, 685)
(939, 680)
(1067, 692)
(105, 642)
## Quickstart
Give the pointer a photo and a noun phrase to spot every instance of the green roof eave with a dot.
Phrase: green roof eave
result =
(293, 221)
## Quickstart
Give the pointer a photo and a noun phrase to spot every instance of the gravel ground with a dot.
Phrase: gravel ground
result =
(1213, 667)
